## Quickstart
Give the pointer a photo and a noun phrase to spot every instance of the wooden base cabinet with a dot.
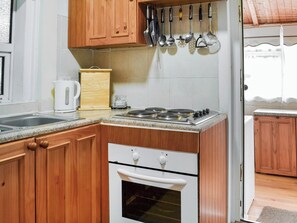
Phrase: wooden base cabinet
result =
(102, 23)
(68, 177)
(52, 179)
(17, 182)
(275, 145)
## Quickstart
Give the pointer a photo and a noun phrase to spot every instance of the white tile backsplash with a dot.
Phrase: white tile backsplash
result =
(170, 76)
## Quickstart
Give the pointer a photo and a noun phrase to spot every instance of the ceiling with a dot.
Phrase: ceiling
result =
(263, 12)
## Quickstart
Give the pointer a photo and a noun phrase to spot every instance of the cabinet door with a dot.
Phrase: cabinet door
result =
(275, 145)
(67, 177)
(123, 21)
(17, 185)
(97, 21)
(264, 144)
(285, 146)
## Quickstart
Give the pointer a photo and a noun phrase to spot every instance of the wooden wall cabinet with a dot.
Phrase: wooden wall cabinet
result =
(103, 23)
(60, 175)
(17, 182)
(275, 145)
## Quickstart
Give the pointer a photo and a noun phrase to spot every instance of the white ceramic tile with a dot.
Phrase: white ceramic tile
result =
(194, 93)
(63, 32)
(181, 92)
(155, 62)
(205, 93)
(159, 92)
(69, 66)
(136, 93)
(102, 59)
(185, 64)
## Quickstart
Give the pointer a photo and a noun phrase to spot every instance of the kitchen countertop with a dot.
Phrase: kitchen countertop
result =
(105, 118)
(275, 112)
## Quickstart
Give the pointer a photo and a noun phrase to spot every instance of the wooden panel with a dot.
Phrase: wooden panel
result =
(260, 12)
(9, 191)
(213, 175)
(160, 139)
(77, 23)
(17, 189)
(119, 11)
(95, 90)
(57, 185)
(151, 138)
(285, 143)
(67, 173)
(264, 145)
(97, 19)
(275, 145)
(87, 178)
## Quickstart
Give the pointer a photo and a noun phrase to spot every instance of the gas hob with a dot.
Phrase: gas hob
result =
(172, 116)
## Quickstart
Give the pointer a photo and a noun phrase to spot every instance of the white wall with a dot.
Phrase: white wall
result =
(170, 76)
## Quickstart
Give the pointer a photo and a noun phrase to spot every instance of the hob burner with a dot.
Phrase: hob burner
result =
(183, 112)
(156, 109)
(141, 113)
(169, 116)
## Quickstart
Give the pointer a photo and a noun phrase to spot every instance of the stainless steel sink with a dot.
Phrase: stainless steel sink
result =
(32, 120)
(6, 129)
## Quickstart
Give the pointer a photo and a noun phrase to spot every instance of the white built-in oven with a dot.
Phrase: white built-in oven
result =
(152, 185)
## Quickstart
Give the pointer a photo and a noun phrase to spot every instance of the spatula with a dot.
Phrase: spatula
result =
(146, 33)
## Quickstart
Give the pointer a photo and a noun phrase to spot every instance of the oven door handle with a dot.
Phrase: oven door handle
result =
(181, 182)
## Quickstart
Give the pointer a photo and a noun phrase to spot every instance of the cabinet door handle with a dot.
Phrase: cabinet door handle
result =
(32, 146)
(44, 144)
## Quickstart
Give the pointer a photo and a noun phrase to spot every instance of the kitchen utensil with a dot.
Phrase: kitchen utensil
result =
(200, 42)
(146, 33)
(153, 28)
(65, 100)
(189, 36)
(162, 38)
(180, 17)
(171, 40)
(210, 38)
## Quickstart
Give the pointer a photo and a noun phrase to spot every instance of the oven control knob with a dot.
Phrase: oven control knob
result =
(162, 160)
(135, 156)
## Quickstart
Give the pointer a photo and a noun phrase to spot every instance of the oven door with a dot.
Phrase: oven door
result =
(151, 196)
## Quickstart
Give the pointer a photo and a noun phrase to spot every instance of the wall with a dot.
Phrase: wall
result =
(178, 76)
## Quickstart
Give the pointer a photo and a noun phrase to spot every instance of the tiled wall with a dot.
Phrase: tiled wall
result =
(169, 77)
(154, 77)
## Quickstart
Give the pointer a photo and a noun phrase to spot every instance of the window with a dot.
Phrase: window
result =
(270, 73)
(5, 47)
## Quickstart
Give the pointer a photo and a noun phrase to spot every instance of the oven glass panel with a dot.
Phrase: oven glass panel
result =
(150, 204)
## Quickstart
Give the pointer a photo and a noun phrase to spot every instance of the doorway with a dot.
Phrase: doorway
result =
(270, 78)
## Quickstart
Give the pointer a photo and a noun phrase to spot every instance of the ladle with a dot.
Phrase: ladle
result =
(162, 38)
(189, 36)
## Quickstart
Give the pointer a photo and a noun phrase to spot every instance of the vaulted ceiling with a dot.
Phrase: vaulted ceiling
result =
(262, 12)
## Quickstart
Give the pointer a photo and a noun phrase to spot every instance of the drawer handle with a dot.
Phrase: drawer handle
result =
(32, 146)
(44, 144)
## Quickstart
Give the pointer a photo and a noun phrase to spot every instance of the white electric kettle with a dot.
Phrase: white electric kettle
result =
(65, 100)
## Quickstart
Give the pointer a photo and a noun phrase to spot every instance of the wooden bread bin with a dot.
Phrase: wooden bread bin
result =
(95, 89)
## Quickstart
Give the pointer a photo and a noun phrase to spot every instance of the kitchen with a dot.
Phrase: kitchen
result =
(144, 82)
